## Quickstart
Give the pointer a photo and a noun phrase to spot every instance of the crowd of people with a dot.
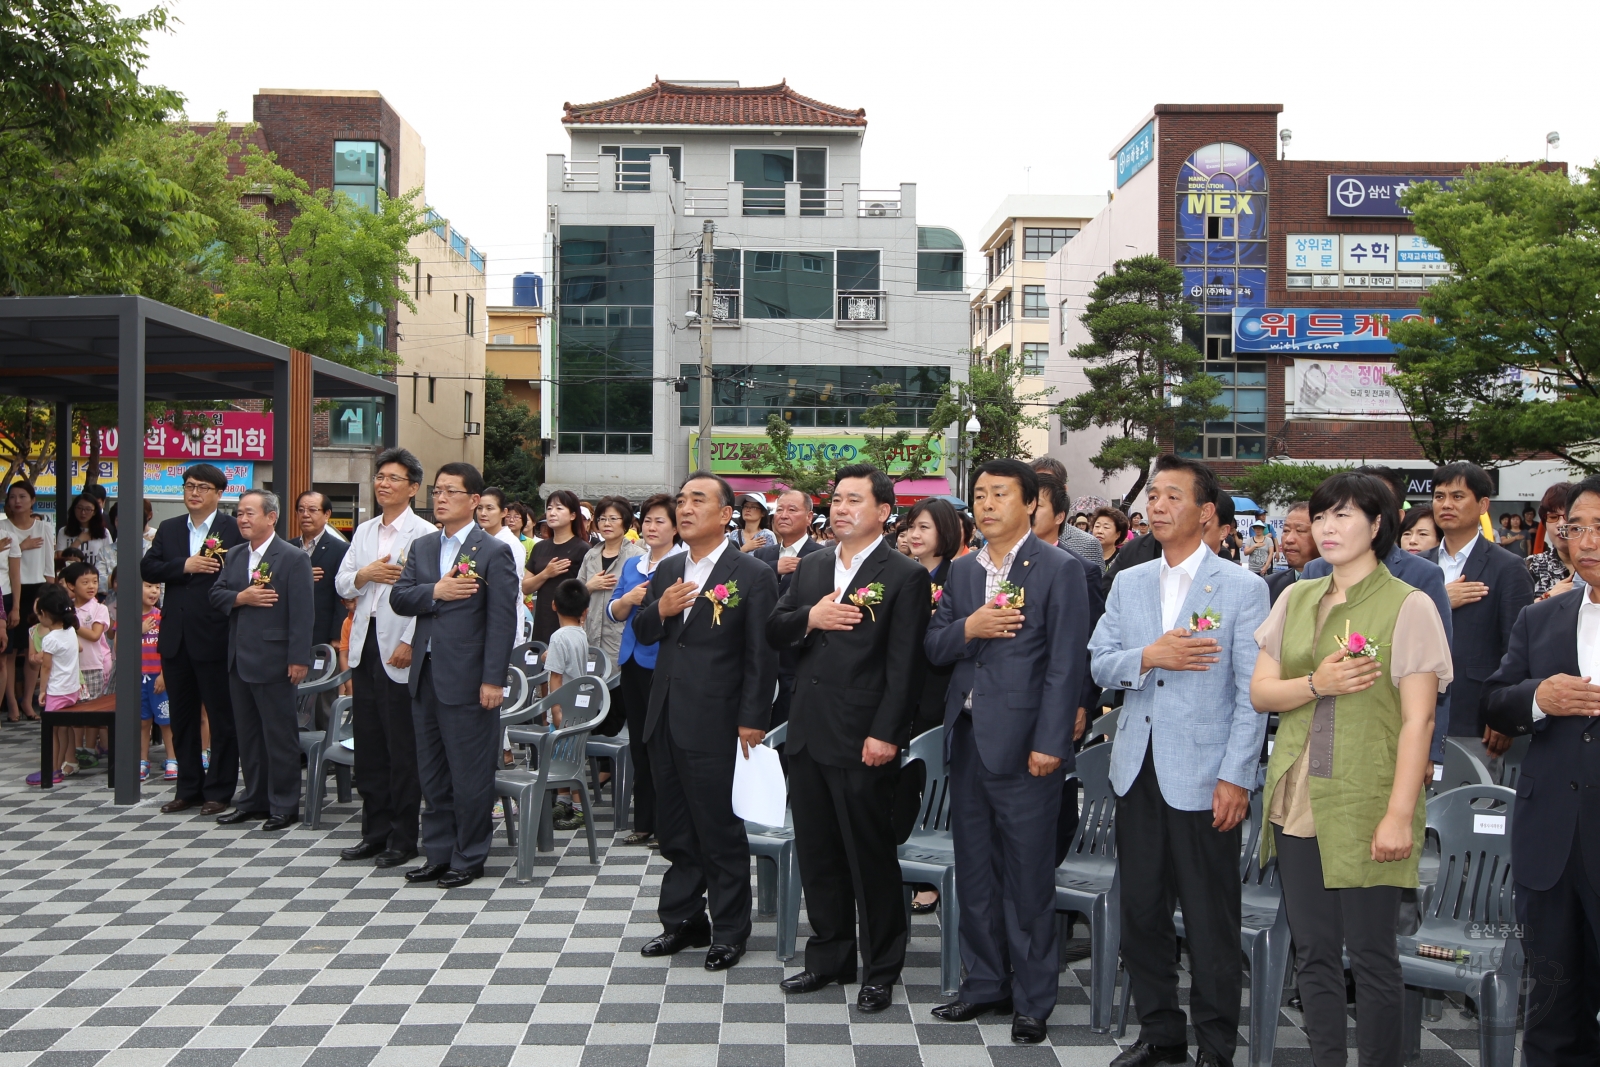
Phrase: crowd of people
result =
(1364, 634)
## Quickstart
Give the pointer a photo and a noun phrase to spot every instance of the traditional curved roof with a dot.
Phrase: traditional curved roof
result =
(670, 104)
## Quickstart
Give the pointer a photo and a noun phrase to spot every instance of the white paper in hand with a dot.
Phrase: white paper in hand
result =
(759, 793)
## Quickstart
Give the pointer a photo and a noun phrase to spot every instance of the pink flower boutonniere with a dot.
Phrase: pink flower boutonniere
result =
(262, 575)
(1009, 596)
(1358, 644)
(722, 596)
(867, 596)
(212, 547)
(1200, 622)
(938, 594)
(466, 567)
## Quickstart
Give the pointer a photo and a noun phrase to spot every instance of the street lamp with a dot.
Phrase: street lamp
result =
(964, 447)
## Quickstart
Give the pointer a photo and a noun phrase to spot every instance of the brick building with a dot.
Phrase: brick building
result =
(1295, 266)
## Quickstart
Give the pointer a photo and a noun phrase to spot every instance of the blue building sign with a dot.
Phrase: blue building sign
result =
(1373, 195)
(1137, 153)
(1349, 331)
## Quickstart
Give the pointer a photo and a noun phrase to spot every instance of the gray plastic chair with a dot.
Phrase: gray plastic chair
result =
(777, 867)
(516, 694)
(1472, 896)
(1087, 882)
(584, 702)
(929, 854)
(1462, 766)
(1105, 726)
(326, 752)
(599, 664)
(311, 695)
(617, 751)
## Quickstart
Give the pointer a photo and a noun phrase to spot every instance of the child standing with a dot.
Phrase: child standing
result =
(153, 707)
(58, 667)
(567, 658)
(82, 580)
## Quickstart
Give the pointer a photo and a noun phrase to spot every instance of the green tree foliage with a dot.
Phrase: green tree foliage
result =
(1145, 385)
(883, 448)
(813, 478)
(994, 392)
(1525, 247)
(1276, 484)
(510, 443)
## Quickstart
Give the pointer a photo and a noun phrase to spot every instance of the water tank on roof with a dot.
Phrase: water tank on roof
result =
(527, 290)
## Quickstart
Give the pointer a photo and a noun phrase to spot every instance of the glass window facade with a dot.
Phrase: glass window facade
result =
(788, 285)
(765, 171)
(940, 261)
(831, 396)
(633, 164)
(605, 362)
(1241, 434)
(1044, 242)
(360, 169)
(1034, 354)
(1222, 227)
(1033, 305)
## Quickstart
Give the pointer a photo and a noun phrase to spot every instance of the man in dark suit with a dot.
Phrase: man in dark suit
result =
(326, 550)
(1487, 586)
(791, 521)
(461, 584)
(186, 557)
(265, 590)
(1546, 687)
(1298, 546)
(710, 698)
(1014, 620)
(1141, 549)
(860, 660)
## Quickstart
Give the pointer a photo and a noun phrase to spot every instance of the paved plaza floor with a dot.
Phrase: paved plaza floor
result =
(129, 938)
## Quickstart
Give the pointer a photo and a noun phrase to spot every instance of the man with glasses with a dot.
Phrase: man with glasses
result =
(327, 551)
(186, 556)
(461, 586)
(380, 662)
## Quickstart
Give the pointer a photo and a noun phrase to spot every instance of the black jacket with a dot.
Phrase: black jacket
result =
(328, 554)
(857, 683)
(769, 556)
(1141, 549)
(721, 675)
(1558, 792)
(1481, 632)
(1278, 581)
(189, 624)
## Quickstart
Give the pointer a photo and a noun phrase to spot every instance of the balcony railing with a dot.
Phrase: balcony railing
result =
(763, 200)
(862, 307)
(724, 306)
(822, 203)
(879, 203)
(709, 201)
(581, 176)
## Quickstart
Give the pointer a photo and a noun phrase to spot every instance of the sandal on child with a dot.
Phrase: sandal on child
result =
(68, 769)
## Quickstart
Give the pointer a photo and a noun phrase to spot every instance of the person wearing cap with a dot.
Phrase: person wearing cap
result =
(754, 529)
(1260, 551)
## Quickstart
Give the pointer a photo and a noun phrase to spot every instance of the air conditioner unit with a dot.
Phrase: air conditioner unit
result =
(472, 429)
(877, 211)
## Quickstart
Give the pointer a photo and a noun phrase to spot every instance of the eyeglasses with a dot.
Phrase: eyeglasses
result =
(441, 491)
(1568, 532)
(391, 479)
(199, 487)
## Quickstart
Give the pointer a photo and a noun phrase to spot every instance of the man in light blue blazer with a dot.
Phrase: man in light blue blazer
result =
(1178, 637)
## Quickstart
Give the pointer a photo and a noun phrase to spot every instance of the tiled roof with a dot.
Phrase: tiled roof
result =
(667, 104)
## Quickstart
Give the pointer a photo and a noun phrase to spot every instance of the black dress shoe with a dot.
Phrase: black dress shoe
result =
(721, 957)
(643, 837)
(811, 981)
(959, 1011)
(674, 941)
(428, 872)
(279, 822)
(873, 998)
(1026, 1030)
(242, 816)
(454, 879)
(1210, 1059)
(1144, 1054)
(394, 857)
(364, 851)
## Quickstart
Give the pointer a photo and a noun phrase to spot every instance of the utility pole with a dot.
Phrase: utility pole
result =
(707, 318)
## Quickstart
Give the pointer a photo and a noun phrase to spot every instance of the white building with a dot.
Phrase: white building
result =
(824, 290)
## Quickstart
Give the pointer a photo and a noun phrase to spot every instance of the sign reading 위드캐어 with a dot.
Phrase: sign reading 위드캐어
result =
(1374, 195)
(1330, 331)
(1137, 153)
(729, 451)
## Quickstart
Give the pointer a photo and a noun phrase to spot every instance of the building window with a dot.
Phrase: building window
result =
(633, 164)
(808, 395)
(940, 261)
(432, 381)
(1002, 258)
(788, 285)
(1241, 433)
(765, 171)
(455, 301)
(604, 365)
(466, 407)
(1033, 357)
(430, 285)
(1002, 311)
(471, 325)
(1042, 243)
(1063, 310)
(1222, 227)
(360, 169)
(1033, 305)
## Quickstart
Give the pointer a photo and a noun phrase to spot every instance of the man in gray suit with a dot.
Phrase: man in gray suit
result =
(461, 584)
(266, 591)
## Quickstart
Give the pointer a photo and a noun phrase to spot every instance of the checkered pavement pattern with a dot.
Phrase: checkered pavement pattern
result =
(129, 938)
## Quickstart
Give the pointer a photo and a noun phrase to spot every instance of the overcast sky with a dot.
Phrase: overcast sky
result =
(970, 101)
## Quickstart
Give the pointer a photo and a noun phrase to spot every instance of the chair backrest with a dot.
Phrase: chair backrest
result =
(1096, 837)
(324, 663)
(517, 697)
(934, 815)
(314, 691)
(1511, 762)
(1104, 727)
(529, 656)
(597, 662)
(1473, 823)
(584, 702)
(1461, 766)
(1259, 882)
(341, 724)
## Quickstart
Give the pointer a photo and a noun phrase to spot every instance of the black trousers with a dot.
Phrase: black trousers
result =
(386, 753)
(1167, 856)
(1004, 827)
(189, 685)
(635, 690)
(1561, 939)
(701, 837)
(269, 744)
(457, 748)
(1324, 923)
(844, 837)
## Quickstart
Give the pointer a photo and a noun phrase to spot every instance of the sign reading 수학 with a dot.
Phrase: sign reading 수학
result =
(728, 451)
(1137, 153)
(1374, 195)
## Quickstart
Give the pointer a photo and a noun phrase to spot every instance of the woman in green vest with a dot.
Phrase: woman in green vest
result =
(1351, 663)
